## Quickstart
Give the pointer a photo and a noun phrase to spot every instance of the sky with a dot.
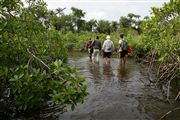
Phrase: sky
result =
(110, 10)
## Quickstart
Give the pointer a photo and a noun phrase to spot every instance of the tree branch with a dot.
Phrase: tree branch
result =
(169, 112)
(38, 59)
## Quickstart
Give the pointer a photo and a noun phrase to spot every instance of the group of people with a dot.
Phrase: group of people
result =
(95, 49)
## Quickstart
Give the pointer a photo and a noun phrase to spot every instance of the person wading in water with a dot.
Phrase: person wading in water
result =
(96, 44)
(123, 45)
(89, 48)
(107, 48)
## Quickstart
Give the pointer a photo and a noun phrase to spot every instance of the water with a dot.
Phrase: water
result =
(117, 93)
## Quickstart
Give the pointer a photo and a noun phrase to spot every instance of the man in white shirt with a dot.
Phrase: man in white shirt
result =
(107, 48)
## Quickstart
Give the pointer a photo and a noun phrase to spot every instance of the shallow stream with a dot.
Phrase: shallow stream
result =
(115, 93)
(118, 92)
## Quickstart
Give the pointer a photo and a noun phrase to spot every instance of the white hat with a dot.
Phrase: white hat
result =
(107, 37)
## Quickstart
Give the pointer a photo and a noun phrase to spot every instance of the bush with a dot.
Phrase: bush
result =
(32, 88)
(32, 61)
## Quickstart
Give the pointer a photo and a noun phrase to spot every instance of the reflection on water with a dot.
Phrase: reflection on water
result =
(123, 72)
(94, 69)
(107, 71)
(100, 71)
(115, 93)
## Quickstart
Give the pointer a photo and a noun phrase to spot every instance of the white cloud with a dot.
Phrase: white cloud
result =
(107, 9)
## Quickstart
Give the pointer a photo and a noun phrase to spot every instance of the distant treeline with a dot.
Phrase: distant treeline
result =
(75, 22)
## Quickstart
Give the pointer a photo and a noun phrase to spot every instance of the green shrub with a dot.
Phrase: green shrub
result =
(32, 60)
(33, 88)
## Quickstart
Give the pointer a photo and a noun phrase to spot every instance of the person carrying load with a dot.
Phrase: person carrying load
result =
(123, 49)
(107, 48)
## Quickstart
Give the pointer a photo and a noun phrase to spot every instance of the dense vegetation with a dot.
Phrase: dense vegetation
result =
(34, 42)
(33, 72)
(161, 38)
(75, 30)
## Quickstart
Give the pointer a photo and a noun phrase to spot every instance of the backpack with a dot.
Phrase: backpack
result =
(124, 45)
(129, 49)
(89, 44)
(108, 45)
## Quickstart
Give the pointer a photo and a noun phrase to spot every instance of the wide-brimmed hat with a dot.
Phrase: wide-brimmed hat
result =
(107, 37)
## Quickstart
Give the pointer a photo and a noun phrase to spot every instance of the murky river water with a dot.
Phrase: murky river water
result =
(117, 93)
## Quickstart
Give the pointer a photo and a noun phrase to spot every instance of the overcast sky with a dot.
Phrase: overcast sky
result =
(110, 10)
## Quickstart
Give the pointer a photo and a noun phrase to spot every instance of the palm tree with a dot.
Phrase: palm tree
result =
(59, 11)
